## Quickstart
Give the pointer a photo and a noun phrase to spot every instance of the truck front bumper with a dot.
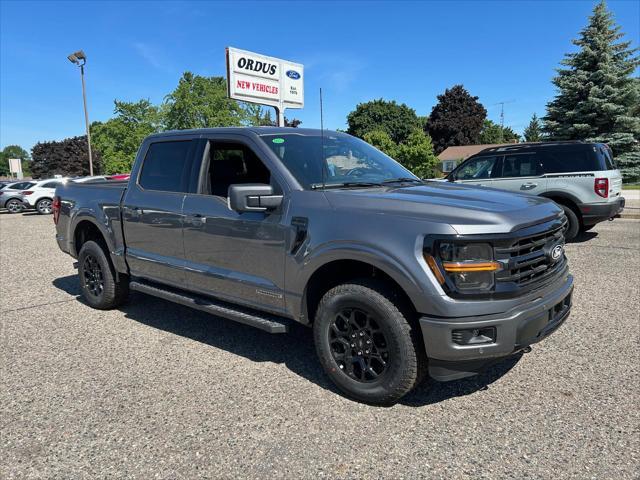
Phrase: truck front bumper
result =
(451, 358)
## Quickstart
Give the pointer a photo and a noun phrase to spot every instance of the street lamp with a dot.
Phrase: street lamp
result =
(79, 58)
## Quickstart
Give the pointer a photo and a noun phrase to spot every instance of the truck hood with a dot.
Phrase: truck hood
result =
(468, 209)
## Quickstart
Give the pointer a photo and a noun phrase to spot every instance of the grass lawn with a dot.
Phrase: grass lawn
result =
(631, 186)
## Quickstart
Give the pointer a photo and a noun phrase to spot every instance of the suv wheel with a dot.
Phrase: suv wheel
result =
(366, 344)
(14, 206)
(44, 206)
(97, 279)
(573, 223)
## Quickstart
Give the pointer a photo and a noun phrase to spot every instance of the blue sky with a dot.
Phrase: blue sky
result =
(356, 51)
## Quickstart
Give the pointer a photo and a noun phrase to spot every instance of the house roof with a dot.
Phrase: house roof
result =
(462, 152)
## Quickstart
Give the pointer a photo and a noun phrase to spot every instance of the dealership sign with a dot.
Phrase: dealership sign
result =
(265, 80)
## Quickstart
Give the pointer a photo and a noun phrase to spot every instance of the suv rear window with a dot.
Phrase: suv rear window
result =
(565, 159)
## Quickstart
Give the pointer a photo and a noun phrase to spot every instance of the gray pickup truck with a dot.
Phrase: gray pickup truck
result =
(398, 277)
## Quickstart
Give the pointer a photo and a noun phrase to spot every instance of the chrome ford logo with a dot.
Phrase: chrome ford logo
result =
(293, 74)
(556, 253)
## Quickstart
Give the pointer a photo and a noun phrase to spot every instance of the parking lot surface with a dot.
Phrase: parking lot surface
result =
(156, 390)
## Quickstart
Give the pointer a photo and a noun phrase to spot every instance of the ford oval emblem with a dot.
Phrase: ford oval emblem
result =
(556, 253)
(293, 74)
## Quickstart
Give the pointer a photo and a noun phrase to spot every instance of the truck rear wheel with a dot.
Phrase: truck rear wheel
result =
(98, 282)
(366, 343)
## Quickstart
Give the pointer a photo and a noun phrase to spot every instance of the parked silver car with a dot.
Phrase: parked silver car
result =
(10, 195)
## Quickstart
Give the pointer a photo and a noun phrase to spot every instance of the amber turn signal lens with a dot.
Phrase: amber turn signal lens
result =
(433, 265)
(471, 266)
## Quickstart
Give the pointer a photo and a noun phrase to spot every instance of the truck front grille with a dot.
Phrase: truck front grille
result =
(527, 260)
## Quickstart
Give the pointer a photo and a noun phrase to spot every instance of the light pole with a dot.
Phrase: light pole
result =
(79, 58)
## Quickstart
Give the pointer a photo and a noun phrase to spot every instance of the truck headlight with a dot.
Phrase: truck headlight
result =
(469, 266)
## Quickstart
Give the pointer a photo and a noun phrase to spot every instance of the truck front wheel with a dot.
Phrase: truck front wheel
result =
(98, 282)
(366, 344)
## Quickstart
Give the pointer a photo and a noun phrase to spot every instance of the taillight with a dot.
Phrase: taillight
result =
(27, 192)
(56, 209)
(601, 187)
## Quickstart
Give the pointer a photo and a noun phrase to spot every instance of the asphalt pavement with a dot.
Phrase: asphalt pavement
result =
(155, 390)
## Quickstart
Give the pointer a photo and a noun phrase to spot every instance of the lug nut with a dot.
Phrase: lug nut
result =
(366, 351)
(353, 345)
(368, 342)
(361, 334)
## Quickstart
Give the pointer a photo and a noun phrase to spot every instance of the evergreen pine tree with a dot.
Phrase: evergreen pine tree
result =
(533, 132)
(597, 96)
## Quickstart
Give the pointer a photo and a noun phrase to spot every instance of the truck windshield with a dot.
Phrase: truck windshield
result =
(347, 161)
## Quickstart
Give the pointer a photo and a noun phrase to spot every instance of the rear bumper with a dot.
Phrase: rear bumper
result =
(514, 330)
(593, 213)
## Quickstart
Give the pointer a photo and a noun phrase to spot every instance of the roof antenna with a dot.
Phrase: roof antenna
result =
(324, 163)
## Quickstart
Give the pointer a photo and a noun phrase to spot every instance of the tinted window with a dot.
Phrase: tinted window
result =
(526, 165)
(606, 158)
(230, 164)
(476, 168)
(165, 167)
(21, 186)
(50, 185)
(563, 159)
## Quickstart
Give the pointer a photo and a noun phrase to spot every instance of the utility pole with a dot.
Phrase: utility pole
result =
(79, 58)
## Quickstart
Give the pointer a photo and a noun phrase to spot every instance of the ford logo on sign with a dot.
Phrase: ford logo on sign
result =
(293, 74)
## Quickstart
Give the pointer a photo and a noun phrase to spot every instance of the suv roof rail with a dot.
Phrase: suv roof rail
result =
(525, 145)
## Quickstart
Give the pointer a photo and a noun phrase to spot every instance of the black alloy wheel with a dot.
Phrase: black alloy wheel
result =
(358, 345)
(93, 277)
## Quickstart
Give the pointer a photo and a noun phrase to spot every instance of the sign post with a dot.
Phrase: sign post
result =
(15, 168)
(256, 78)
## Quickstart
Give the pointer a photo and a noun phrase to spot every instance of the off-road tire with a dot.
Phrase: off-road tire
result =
(111, 293)
(407, 362)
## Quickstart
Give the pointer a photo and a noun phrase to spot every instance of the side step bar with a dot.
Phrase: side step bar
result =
(263, 321)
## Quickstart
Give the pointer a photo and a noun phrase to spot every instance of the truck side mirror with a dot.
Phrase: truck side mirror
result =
(253, 197)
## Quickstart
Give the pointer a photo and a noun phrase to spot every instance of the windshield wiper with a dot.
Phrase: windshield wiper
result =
(402, 180)
(317, 186)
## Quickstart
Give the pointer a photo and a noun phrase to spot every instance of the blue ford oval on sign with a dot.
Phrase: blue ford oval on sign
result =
(293, 74)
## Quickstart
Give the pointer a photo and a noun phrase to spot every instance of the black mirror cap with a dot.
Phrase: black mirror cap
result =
(252, 197)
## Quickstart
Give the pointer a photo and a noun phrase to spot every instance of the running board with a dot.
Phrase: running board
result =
(263, 321)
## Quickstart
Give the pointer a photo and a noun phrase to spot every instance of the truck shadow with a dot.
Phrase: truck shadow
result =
(295, 349)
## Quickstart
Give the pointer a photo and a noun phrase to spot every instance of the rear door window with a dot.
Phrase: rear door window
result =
(523, 165)
(568, 159)
(166, 166)
(606, 158)
(50, 185)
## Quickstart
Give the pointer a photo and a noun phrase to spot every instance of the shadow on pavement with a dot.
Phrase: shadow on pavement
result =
(584, 237)
(295, 349)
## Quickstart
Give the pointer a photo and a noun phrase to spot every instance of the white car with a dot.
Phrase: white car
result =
(40, 195)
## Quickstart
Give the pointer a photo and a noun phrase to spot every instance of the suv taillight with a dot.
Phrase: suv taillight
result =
(26, 192)
(56, 209)
(601, 187)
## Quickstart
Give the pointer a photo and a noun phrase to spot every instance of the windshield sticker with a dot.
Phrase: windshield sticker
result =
(278, 140)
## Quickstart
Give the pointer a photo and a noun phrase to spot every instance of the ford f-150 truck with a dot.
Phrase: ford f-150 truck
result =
(398, 277)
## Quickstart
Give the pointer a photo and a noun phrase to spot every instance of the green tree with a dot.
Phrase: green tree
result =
(492, 133)
(14, 151)
(456, 119)
(382, 141)
(597, 95)
(119, 138)
(398, 121)
(417, 154)
(67, 157)
(200, 102)
(533, 132)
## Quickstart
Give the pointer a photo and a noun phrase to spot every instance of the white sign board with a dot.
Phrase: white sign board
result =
(256, 78)
(15, 167)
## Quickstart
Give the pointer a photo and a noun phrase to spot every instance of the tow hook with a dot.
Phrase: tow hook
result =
(526, 350)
